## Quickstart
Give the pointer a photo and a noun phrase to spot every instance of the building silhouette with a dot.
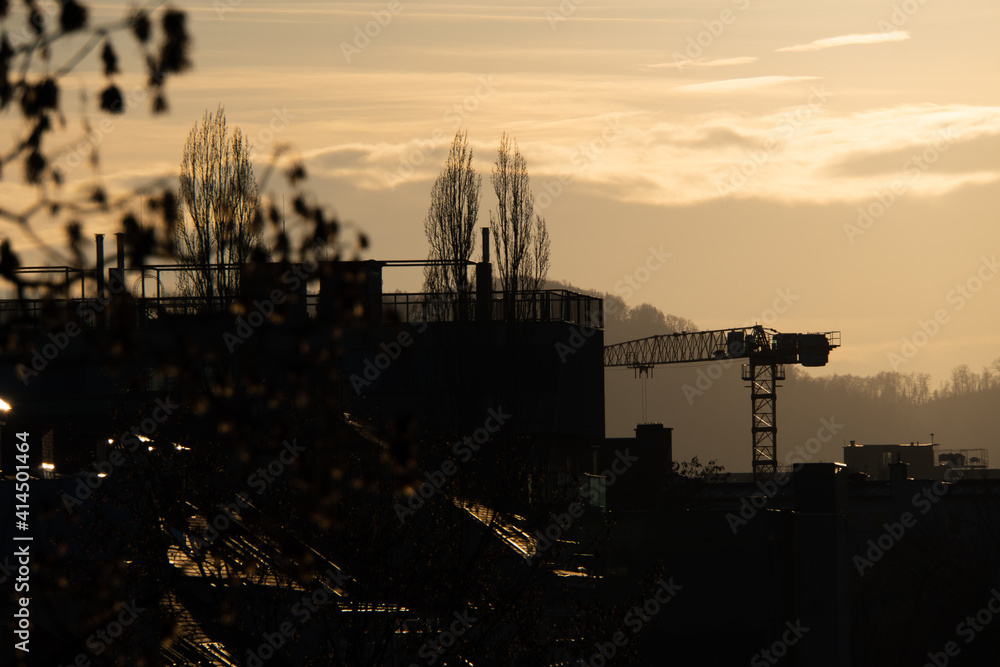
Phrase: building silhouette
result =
(487, 407)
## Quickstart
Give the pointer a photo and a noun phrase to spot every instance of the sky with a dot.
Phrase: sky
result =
(806, 166)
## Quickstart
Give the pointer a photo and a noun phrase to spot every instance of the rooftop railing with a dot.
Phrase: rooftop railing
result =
(154, 288)
(529, 306)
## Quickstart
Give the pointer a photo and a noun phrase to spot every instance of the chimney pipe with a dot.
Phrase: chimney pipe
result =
(484, 281)
(99, 268)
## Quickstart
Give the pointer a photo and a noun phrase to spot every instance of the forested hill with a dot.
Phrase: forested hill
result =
(623, 323)
(708, 404)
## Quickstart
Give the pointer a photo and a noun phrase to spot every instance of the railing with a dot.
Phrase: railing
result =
(153, 289)
(534, 306)
(54, 276)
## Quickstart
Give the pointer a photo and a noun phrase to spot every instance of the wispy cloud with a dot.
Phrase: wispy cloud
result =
(849, 40)
(700, 63)
(734, 85)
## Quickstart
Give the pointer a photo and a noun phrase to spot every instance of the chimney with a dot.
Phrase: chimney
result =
(99, 268)
(484, 281)
(120, 238)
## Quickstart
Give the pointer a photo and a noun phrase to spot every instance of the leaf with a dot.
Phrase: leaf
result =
(140, 26)
(37, 98)
(173, 53)
(160, 103)
(110, 59)
(111, 100)
(296, 173)
(73, 16)
(301, 207)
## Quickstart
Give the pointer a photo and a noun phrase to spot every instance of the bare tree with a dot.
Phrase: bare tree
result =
(220, 197)
(963, 380)
(451, 220)
(511, 223)
(522, 248)
(539, 255)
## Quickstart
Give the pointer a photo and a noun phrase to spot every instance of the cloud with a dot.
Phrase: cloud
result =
(800, 154)
(735, 85)
(849, 40)
(699, 63)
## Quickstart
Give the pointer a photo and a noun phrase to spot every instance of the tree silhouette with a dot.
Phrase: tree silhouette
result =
(451, 220)
(221, 200)
(520, 237)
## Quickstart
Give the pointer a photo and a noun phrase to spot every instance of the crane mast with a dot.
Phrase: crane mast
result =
(766, 352)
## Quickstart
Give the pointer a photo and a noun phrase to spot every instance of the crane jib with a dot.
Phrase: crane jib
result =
(766, 352)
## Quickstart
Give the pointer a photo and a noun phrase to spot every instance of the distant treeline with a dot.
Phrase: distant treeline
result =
(912, 388)
(622, 323)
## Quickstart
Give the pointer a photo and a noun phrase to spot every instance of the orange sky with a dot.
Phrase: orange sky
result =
(841, 153)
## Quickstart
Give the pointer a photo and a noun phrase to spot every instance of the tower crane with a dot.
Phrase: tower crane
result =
(766, 352)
